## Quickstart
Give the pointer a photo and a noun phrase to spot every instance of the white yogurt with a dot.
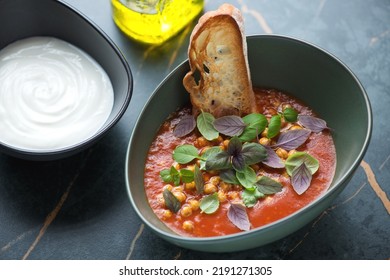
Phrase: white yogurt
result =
(53, 95)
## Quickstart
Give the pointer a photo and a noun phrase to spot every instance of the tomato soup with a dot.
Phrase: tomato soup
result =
(190, 219)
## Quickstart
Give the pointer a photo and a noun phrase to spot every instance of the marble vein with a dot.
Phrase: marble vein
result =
(134, 241)
(323, 214)
(53, 214)
(258, 17)
(375, 186)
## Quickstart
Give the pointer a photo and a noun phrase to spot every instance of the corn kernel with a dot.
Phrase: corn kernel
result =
(226, 143)
(176, 165)
(168, 187)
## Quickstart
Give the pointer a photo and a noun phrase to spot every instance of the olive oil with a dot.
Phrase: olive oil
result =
(154, 21)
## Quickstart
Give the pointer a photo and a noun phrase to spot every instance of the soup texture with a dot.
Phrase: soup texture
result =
(258, 169)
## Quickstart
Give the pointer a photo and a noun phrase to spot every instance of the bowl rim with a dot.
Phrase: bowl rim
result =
(334, 187)
(57, 153)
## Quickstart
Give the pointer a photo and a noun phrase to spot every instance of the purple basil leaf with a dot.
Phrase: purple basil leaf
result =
(301, 178)
(185, 126)
(238, 162)
(229, 125)
(273, 160)
(235, 146)
(238, 216)
(292, 139)
(312, 123)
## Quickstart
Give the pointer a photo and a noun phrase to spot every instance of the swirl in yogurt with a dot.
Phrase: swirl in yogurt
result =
(53, 95)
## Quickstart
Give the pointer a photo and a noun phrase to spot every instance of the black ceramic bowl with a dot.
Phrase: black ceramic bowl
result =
(305, 71)
(21, 19)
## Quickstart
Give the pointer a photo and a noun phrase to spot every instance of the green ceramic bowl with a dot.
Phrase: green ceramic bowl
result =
(312, 75)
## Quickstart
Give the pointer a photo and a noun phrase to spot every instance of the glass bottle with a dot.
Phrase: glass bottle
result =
(154, 21)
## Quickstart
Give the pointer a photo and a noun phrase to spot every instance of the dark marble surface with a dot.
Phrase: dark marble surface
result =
(77, 208)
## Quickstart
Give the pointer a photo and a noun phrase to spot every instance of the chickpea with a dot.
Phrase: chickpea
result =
(226, 143)
(219, 139)
(291, 152)
(190, 186)
(210, 188)
(186, 211)
(272, 111)
(215, 180)
(206, 177)
(167, 214)
(225, 186)
(264, 141)
(201, 142)
(282, 153)
(177, 189)
(295, 127)
(176, 165)
(191, 168)
(188, 226)
(221, 196)
(233, 195)
(264, 133)
(194, 204)
(180, 196)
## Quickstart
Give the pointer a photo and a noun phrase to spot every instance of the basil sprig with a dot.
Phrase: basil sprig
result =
(234, 163)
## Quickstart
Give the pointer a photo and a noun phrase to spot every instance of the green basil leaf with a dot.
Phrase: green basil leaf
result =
(187, 176)
(247, 178)
(297, 158)
(206, 154)
(209, 204)
(301, 178)
(229, 176)
(255, 124)
(267, 185)
(218, 161)
(185, 153)
(238, 216)
(166, 175)
(170, 176)
(274, 126)
(206, 127)
(171, 202)
(253, 153)
(290, 114)
(198, 178)
(250, 197)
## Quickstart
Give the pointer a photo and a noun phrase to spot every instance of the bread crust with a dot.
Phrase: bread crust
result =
(219, 80)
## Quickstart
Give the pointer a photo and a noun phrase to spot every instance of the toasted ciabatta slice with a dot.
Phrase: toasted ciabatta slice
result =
(219, 81)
